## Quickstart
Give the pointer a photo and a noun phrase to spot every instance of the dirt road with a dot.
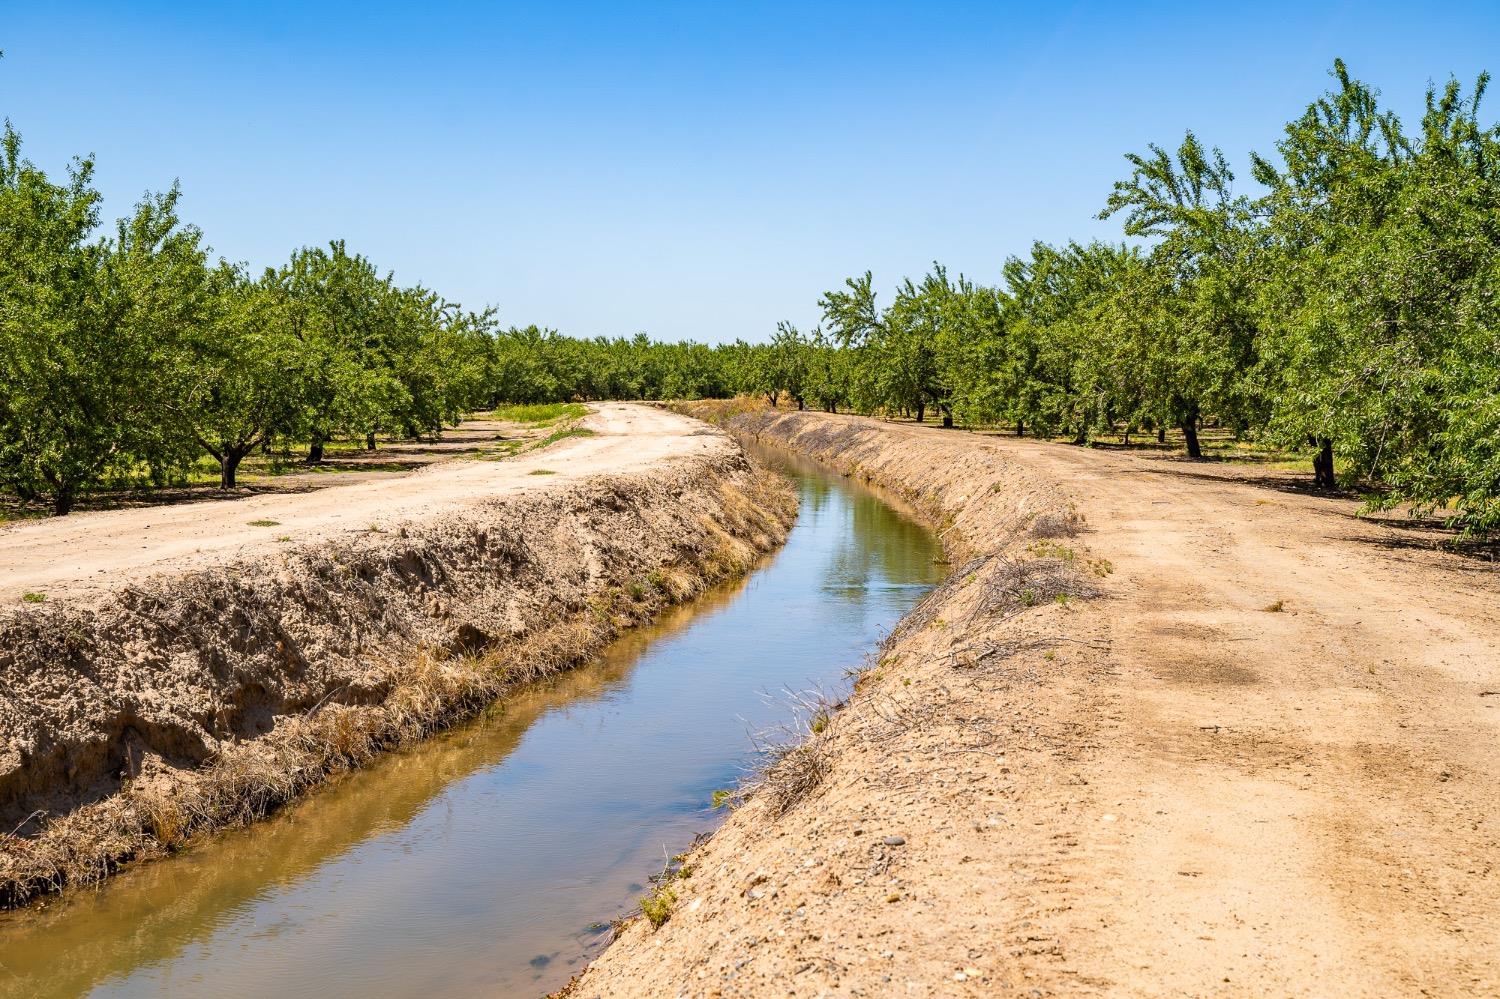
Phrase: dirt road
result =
(1262, 762)
(100, 550)
(1306, 799)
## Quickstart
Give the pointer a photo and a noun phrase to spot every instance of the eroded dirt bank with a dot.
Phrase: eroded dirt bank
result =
(205, 690)
(1167, 730)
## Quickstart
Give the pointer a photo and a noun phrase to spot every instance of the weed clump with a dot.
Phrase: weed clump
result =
(798, 772)
(563, 434)
(657, 906)
(540, 414)
(1057, 523)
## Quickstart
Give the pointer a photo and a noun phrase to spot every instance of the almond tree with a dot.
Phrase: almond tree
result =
(88, 328)
(1205, 330)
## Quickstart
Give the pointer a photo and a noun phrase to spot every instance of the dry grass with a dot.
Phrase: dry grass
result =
(794, 755)
(1064, 523)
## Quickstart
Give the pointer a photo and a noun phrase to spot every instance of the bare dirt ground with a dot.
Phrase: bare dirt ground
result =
(103, 549)
(1262, 761)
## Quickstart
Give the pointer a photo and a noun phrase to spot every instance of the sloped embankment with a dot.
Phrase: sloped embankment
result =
(136, 719)
(909, 843)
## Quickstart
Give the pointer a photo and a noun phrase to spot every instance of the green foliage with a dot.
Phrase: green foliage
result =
(88, 327)
(1347, 308)
(540, 414)
(657, 906)
(127, 355)
(564, 434)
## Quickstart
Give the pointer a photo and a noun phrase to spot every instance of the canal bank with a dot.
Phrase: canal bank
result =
(491, 860)
(204, 689)
(885, 855)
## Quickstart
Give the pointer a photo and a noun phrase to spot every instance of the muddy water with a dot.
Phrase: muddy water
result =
(484, 862)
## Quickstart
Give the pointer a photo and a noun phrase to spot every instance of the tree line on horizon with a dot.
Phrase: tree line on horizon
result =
(1348, 309)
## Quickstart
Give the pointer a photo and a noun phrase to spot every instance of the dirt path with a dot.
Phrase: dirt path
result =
(1262, 762)
(1306, 799)
(100, 550)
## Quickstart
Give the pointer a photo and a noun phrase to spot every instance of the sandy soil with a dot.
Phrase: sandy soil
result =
(1261, 762)
(103, 549)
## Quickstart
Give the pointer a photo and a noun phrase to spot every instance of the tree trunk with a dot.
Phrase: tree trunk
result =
(801, 404)
(921, 411)
(62, 501)
(1323, 476)
(947, 419)
(228, 465)
(315, 452)
(370, 441)
(1190, 431)
(1020, 428)
(1161, 434)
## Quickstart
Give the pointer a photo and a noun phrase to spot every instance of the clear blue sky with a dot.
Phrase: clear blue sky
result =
(692, 170)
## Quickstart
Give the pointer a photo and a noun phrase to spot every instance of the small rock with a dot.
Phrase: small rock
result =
(894, 841)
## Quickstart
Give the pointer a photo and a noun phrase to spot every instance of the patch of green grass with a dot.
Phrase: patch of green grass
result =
(34, 598)
(1051, 549)
(542, 414)
(264, 522)
(657, 906)
(541, 471)
(564, 434)
(383, 466)
(501, 450)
